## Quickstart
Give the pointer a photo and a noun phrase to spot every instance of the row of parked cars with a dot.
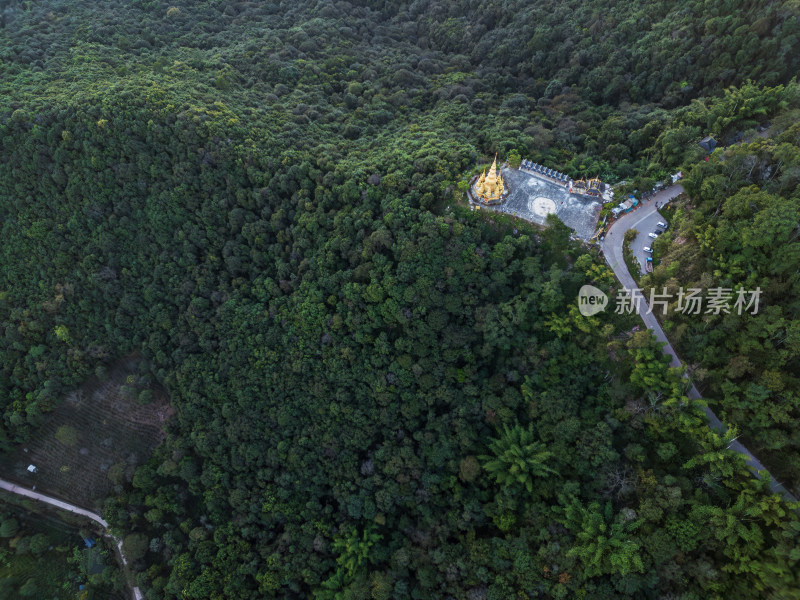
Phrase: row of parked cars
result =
(661, 227)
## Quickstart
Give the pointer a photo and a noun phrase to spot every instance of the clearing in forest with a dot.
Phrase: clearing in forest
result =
(95, 438)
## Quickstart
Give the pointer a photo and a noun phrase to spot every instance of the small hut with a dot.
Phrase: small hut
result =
(708, 144)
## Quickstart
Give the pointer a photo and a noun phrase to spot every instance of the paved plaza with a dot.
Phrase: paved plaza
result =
(533, 197)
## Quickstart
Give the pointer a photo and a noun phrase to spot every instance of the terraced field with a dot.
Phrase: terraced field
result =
(94, 439)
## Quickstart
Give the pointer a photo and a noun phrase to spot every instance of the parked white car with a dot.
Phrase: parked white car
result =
(648, 249)
(662, 225)
(653, 235)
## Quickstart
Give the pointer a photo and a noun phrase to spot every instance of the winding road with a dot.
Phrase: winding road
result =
(612, 250)
(21, 491)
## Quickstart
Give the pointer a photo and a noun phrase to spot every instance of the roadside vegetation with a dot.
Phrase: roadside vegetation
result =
(630, 260)
(43, 557)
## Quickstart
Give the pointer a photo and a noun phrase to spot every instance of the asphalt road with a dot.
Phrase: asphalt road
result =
(643, 219)
(21, 491)
(640, 219)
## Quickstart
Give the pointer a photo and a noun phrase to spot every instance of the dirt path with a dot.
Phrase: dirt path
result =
(612, 249)
(21, 491)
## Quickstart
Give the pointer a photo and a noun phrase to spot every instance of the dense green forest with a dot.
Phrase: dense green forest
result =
(379, 393)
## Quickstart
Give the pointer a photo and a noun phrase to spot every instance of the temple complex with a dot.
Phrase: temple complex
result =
(534, 192)
(489, 188)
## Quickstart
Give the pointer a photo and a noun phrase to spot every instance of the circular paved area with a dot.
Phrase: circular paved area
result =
(542, 206)
(533, 197)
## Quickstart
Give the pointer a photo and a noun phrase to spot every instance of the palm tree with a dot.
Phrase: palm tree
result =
(517, 459)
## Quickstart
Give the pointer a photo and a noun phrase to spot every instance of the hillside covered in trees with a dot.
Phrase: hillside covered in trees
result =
(740, 230)
(379, 393)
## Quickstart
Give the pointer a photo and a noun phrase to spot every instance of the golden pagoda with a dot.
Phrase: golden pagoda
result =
(490, 187)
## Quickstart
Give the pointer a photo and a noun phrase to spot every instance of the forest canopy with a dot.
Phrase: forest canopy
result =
(378, 392)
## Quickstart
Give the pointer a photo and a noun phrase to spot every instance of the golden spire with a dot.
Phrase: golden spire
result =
(492, 172)
(490, 186)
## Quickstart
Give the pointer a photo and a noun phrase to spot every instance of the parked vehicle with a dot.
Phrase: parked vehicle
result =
(648, 249)
(653, 235)
(663, 225)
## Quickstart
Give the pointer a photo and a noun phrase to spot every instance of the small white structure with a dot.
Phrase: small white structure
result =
(32, 469)
(676, 176)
